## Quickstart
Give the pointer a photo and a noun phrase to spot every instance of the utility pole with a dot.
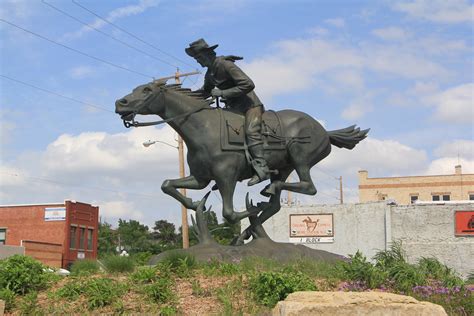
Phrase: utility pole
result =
(341, 194)
(184, 210)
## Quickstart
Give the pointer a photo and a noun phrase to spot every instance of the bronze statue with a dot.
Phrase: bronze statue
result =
(225, 79)
(290, 140)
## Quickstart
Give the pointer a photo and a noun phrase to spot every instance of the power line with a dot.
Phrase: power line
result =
(56, 94)
(130, 34)
(76, 51)
(108, 35)
(328, 174)
(50, 181)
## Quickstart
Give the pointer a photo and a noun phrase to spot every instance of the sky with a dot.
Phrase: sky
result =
(402, 68)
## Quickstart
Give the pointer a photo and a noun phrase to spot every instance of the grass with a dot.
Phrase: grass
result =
(181, 285)
(118, 264)
(85, 267)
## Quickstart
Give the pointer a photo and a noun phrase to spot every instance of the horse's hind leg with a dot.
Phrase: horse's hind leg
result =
(170, 187)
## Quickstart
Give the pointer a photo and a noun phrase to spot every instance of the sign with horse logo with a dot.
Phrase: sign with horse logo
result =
(464, 223)
(311, 228)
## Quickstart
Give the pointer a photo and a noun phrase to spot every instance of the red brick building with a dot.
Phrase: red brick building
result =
(56, 234)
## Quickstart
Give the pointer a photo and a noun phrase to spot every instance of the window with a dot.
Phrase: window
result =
(441, 197)
(72, 237)
(89, 238)
(82, 232)
(413, 198)
(3, 235)
(471, 196)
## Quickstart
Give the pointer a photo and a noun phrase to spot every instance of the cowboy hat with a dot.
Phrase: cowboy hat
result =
(198, 46)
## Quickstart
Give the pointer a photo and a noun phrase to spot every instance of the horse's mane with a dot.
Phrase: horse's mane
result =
(195, 95)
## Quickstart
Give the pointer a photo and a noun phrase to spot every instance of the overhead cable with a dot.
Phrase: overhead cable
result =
(56, 94)
(108, 35)
(130, 34)
(75, 50)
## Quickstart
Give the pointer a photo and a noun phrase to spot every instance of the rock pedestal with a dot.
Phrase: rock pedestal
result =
(354, 303)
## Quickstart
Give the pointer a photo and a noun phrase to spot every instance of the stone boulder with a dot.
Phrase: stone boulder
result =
(354, 303)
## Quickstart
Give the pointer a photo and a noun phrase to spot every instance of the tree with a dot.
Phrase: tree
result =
(133, 236)
(107, 239)
(165, 232)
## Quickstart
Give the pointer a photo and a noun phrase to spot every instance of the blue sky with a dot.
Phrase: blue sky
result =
(402, 68)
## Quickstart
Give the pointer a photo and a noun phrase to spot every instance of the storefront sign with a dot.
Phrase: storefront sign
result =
(464, 223)
(311, 228)
(54, 213)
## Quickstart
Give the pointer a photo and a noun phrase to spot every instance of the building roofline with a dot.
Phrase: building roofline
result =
(40, 204)
(426, 176)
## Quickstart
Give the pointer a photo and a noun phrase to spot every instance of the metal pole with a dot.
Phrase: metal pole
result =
(289, 192)
(341, 194)
(184, 210)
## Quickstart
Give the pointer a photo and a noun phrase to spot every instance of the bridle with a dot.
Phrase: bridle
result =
(132, 122)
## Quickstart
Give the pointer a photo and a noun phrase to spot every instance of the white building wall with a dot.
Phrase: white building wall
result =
(425, 230)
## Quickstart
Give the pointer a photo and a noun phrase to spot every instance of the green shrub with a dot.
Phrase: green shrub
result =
(180, 263)
(385, 259)
(85, 267)
(470, 278)
(405, 276)
(271, 287)
(359, 269)
(435, 270)
(29, 304)
(101, 292)
(144, 275)
(142, 258)
(8, 296)
(161, 290)
(71, 290)
(168, 311)
(22, 274)
(118, 264)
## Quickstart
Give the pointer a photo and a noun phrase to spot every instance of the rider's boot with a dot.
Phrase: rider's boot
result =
(259, 164)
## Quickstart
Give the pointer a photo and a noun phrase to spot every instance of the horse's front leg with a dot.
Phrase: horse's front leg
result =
(226, 187)
(170, 187)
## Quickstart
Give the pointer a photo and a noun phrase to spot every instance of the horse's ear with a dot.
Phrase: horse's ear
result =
(160, 82)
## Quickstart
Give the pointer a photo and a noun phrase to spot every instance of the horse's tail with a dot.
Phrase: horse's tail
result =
(347, 137)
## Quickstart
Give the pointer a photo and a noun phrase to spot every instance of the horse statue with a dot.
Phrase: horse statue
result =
(303, 144)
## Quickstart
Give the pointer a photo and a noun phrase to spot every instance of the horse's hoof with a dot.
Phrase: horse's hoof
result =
(268, 191)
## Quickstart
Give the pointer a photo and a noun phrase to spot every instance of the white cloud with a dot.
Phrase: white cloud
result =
(461, 148)
(380, 157)
(318, 31)
(452, 11)
(81, 72)
(391, 33)
(114, 15)
(446, 166)
(337, 22)
(17, 9)
(455, 105)
(118, 209)
(358, 108)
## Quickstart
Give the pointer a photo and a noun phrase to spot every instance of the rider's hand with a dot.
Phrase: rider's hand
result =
(216, 92)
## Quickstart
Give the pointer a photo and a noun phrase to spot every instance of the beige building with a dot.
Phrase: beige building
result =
(407, 190)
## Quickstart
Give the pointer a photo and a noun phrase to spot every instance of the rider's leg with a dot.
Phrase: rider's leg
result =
(253, 132)
(170, 187)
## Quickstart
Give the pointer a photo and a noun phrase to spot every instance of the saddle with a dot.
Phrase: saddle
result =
(232, 130)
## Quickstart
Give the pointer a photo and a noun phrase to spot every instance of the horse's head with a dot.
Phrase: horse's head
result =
(142, 100)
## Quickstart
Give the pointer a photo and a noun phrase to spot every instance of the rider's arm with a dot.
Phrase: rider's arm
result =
(207, 87)
(243, 84)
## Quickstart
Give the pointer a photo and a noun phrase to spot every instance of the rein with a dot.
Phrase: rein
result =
(134, 123)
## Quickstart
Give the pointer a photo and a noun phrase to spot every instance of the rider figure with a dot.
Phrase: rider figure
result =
(225, 79)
